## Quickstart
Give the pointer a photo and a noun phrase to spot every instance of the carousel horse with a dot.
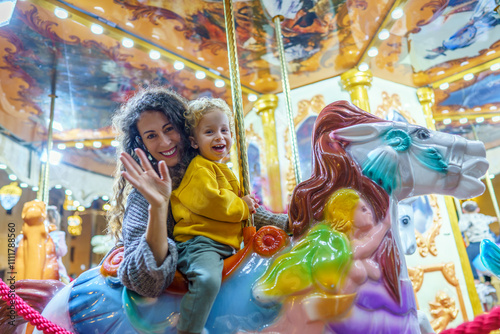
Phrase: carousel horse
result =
(382, 161)
(407, 226)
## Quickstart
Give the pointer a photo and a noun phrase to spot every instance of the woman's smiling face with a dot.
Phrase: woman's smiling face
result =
(160, 137)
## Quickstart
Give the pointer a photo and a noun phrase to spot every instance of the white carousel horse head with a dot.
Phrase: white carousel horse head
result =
(407, 226)
(409, 160)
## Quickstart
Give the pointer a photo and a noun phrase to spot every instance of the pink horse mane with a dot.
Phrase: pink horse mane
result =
(332, 169)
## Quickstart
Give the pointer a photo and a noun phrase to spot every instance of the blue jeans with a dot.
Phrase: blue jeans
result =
(201, 259)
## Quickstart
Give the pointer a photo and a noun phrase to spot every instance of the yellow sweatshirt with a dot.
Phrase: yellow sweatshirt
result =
(207, 203)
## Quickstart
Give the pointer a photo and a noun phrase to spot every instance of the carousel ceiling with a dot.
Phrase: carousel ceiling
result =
(93, 54)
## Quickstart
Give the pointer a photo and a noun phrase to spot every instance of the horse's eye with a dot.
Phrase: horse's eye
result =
(423, 134)
(405, 221)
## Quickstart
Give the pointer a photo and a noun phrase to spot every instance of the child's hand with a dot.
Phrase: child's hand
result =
(252, 203)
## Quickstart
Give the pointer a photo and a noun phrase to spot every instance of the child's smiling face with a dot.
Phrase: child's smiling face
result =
(212, 136)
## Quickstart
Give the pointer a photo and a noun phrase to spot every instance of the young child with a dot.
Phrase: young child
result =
(208, 210)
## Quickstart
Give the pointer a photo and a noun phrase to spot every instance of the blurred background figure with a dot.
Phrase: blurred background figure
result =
(59, 238)
(475, 227)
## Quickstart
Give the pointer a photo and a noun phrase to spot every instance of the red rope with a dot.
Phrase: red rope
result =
(483, 323)
(28, 313)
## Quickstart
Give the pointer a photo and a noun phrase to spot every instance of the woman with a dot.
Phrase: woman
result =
(154, 153)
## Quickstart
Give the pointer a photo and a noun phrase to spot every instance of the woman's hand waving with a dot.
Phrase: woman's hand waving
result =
(156, 189)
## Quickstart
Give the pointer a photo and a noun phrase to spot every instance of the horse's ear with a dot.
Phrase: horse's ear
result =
(361, 132)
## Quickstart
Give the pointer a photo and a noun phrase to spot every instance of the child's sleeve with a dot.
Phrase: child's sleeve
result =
(202, 196)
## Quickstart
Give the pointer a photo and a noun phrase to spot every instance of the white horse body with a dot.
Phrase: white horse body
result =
(409, 161)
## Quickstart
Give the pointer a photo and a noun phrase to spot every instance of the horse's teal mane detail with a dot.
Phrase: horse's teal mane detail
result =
(431, 158)
(398, 139)
(381, 166)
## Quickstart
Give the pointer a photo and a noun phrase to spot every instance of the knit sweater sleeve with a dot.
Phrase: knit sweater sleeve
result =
(262, 217)
(138, 270)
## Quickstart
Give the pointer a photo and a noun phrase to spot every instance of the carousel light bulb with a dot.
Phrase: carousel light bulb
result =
(12, 177)
(495, 67)
(79, 145)
(252, 97)
(178, 65)
(468, 76)
(200, 75)
(23, 185)
(61, 146)
(57, 186)
(493, 107)
(444, 86)
(3, 166)
(463, 120)
(384, 34)
(495, 118)
(155, 55)
(127, 42)
(97, 144)
(363, 67)
(61, 13)
(76, 203)
(81, 208)
(54, 157)
(115, 143)
(68, 192)
(446, 121)
(219, 83)
(105, 198)
(397, 13)
(96, 29)
(35, 188)
(372, 52)
(445, 111)
(477, 109)
(106, 207)
(480, 120)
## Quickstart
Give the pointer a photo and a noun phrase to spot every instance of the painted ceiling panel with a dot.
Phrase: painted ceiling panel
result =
(414, 42)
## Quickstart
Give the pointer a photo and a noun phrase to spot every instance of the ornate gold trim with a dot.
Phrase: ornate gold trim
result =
(443, 310)
(426, 243)
(392, 102)
(448, 270)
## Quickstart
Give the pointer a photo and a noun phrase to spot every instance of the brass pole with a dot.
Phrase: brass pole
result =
(489, 185)
(43, 191)
(356, 83)
(236, 96)
(266, 106)
(286, 91)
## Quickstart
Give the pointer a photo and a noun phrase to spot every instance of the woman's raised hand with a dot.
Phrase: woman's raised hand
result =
(155, 189)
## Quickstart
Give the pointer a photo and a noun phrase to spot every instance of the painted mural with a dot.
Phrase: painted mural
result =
(464, 28)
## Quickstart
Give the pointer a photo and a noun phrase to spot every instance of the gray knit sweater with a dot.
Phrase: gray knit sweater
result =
(138, 270)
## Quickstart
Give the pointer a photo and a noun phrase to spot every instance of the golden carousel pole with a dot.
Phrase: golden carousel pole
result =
(266, 106)
(43, 188)
(286, 91)
(356, 83)
(426, 98)
(236, 96)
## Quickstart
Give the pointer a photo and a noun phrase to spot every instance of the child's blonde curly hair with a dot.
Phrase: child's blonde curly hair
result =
(202, 106)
